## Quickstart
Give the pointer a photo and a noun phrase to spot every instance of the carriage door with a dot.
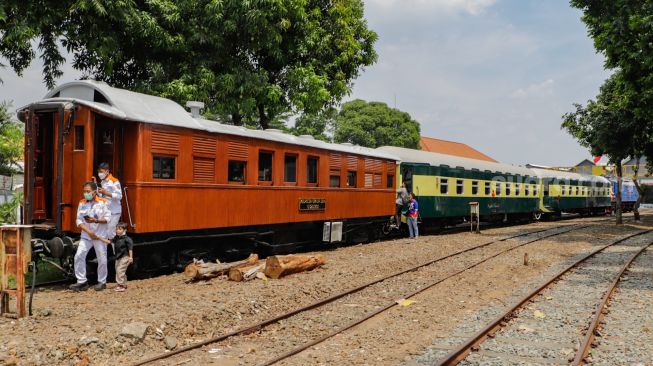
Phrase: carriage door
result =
(107, 147)
(43, 173)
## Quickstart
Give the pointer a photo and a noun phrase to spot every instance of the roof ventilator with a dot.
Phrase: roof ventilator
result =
(195, 108)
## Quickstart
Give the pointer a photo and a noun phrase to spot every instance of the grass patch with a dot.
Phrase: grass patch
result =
(45, 273)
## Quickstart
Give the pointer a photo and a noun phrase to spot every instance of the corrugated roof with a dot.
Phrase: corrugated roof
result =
(437, 159)
(127, 105)
(452, 148)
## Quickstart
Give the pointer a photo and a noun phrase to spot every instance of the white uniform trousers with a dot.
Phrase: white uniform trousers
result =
(80, 260)
(111, 225)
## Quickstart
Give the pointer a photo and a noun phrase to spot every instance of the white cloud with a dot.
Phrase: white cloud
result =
(473, 7)
(544, 88)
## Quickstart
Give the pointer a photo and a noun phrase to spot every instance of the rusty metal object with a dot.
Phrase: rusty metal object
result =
(461, 352)
(584, 348)
(15, 256)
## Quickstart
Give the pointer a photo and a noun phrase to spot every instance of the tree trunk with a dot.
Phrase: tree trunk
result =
(198, 270)
(237, 119)
(617, 209)
(640, 191)
(264, 119)
(245, 273)
(279, 266)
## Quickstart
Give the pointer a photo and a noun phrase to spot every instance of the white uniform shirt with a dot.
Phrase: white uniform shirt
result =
(112, 185)
(98, 208)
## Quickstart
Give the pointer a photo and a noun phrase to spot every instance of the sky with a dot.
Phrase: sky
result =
(495, 74)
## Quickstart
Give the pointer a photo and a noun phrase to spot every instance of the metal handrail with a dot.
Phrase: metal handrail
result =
(129, 213)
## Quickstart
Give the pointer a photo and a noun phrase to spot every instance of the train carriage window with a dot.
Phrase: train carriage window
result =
(390, 181)
(460, 188)
(236, 171)
(488, 190)
(517, 189)
(79, 137)
(290, 169)
(265, 166)
(563, 190)
(334, 179)
(527, 190)
(497, 188)
(474, 187)
(311, 170)
(444, 186)
(576, 191)
(508, 189)
(351, 179)
(535, 190)
(163, 167)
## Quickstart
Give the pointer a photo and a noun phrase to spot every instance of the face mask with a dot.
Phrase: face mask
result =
(102, 175)
(88, 196)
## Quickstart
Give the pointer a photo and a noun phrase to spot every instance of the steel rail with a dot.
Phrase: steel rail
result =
(255, 327)
(462, 351)
(598, 315)
(393, 304)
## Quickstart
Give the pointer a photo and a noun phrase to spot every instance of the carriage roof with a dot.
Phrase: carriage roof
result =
(132, 106)
(437, 159)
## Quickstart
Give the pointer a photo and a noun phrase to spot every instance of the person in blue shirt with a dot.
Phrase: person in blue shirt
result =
(413, 212)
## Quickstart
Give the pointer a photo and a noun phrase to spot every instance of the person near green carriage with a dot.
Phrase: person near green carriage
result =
(402, 200)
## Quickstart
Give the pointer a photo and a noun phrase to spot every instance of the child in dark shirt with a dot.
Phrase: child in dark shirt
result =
(123, 247)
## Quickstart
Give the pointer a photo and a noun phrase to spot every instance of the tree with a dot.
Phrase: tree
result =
(316, 125)
(248, 61)
(607, 127)
(374, 124)
(11, 142)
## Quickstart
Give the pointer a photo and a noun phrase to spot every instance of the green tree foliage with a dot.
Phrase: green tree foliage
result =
(248, 61)
(374, 124)
(316, 125)
(607, 126)
(11, 142)
(9, 210)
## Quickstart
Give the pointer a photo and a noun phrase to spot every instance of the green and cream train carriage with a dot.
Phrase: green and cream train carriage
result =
(446, 185)
(571, 192)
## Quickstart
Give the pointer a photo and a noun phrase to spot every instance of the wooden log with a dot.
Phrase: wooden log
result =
(245, 273)
(199, 270)
(281, 265)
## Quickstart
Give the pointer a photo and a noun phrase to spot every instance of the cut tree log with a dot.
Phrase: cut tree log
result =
(199, 270)
(282, 265)
(245, 273)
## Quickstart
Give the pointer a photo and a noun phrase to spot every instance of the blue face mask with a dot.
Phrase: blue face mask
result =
(88, 196)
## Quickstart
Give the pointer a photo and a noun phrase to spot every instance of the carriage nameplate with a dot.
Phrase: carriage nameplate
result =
(312, 204)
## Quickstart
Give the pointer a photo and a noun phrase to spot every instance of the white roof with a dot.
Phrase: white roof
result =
(560, 175)
(437, 159)
(127, 105)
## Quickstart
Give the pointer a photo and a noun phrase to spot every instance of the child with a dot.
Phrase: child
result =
(123, 247)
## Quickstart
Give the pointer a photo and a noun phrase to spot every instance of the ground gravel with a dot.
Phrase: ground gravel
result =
(84, 328)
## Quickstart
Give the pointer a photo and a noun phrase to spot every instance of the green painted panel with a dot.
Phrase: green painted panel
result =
(435, 207)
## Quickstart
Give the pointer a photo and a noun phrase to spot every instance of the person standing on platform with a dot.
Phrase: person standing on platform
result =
(93, 214)
(110, 190)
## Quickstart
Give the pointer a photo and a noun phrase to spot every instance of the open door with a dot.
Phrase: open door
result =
(108, 140)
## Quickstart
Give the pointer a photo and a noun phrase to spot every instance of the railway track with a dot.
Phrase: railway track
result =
(422, 280)
(544, 327)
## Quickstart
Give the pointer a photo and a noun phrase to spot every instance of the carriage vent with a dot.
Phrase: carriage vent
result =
(335, 161)
(204, 146)
(373, 165)
(352, 162)
(164, 140)
(237, 150)
(377, 181)
(369, 180)
(203, 170)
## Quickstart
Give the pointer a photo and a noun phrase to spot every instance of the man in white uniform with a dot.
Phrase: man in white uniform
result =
(110, 190)
(93, 214)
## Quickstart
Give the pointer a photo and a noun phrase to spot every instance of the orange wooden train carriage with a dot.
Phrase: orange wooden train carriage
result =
(186, 178)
